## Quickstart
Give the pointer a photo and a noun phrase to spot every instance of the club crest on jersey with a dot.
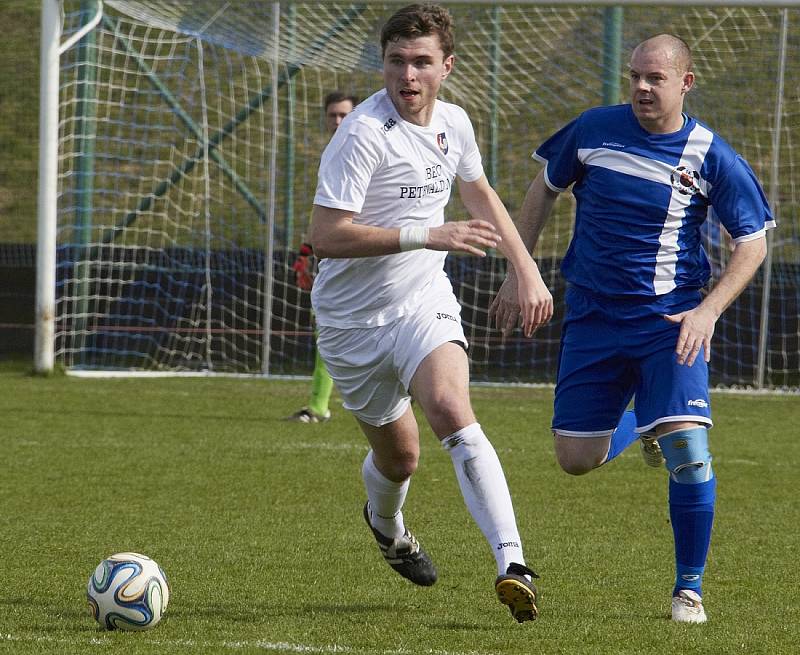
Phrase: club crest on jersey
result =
(441, 141)
(685, 180)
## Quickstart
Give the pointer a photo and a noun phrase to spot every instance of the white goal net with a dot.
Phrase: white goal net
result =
(190, 132)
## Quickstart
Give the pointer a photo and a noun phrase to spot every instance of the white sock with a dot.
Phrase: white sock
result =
(485, 492)
(386, 499)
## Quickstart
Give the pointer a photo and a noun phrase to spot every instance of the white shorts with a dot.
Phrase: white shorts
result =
(372, 367)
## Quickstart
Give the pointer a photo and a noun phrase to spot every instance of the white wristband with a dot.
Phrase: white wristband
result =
(413, 237)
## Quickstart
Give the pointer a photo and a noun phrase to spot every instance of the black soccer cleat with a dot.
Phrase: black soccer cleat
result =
(307, 415)
(519, 593)
(405, 555)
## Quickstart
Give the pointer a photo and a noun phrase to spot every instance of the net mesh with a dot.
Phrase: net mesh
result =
(177, 235)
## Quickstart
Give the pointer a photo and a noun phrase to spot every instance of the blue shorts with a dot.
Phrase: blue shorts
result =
(613, 350)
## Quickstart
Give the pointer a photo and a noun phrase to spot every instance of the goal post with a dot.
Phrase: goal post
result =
(184, 136)
(47, 193)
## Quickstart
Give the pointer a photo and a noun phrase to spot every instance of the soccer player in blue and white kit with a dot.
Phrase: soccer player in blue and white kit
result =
(389, 323)
(645, 177)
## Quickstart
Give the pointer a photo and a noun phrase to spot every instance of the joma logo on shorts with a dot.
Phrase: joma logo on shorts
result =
(697, 403)
(449, 317)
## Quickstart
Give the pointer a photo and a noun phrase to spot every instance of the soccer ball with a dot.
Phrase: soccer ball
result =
(127, 591)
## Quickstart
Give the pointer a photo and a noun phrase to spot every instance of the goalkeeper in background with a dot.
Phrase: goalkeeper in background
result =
(646, 177)
(337, 106)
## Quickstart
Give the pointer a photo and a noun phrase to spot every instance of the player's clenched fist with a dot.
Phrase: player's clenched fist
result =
(528, 305)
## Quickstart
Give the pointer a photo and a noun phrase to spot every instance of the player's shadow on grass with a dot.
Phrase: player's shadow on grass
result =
(456, 625)
(392, 610)
(237, 614)
(75, 617)
(348, 608)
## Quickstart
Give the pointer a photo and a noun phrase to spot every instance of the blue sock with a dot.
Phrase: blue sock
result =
(691, 510)
(623, 436)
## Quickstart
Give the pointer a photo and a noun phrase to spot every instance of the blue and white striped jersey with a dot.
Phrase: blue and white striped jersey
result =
(641, 199)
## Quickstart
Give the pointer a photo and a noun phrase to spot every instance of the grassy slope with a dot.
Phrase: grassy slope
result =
(19, 107)
(257, 524)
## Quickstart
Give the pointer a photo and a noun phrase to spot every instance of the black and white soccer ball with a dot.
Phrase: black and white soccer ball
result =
(127, 591)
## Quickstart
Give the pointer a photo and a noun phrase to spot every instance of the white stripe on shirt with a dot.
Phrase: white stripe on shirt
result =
(694, 154)
(624, 162)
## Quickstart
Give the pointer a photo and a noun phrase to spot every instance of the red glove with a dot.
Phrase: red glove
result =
(304, 274)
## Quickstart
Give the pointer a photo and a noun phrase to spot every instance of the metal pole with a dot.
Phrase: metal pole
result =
(44, 345)
(209, 281)
(290, 146)
(494, 95)
(86, 112)
(660, 3)
(612, 54)
(270, 244)
(763, 334)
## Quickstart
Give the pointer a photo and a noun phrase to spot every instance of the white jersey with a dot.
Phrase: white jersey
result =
(390, 173)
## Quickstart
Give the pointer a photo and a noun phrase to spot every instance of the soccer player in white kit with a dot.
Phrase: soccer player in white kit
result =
(389, 323)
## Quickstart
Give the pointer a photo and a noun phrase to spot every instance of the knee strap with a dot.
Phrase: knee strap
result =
(687, 456)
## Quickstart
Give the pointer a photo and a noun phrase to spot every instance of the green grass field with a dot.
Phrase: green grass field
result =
(257, 525)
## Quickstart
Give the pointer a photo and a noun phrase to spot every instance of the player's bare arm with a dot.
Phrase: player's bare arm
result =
(333, 234)
(536, 210)
(697, 325)
(533, 298)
